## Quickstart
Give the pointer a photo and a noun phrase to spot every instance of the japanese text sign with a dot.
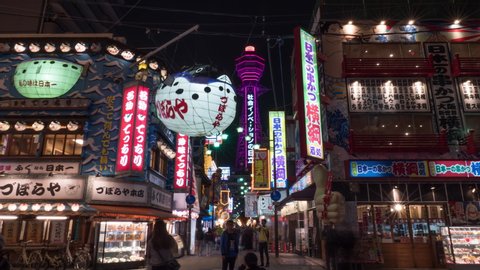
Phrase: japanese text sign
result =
(278, 148)
(181, 162)
(133, 129)
(260, 169)
(41, 189)
(250, 109)
(302, 183)
(39, 167)
(413, 168)
(113, 191)
(308, 91)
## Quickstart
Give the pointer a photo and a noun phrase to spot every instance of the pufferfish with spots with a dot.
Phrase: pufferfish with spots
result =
(196, 105)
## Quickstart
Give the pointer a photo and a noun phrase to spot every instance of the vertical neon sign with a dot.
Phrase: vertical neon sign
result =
(278, 144)
(308, 91)
(181, 162)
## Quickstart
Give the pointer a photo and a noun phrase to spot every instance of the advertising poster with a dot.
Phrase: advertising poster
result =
(57, 231)
(10, 231)
(251, 205)
(35, 231)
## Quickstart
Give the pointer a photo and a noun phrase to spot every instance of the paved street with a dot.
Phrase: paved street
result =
(284, 262)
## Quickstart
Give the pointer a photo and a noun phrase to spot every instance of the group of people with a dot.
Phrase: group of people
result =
(230, 242)
(162, 248)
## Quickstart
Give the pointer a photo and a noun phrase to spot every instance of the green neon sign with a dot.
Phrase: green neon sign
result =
(46, 78)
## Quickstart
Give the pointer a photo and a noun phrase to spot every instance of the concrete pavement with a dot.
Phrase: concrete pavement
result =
(285, 261)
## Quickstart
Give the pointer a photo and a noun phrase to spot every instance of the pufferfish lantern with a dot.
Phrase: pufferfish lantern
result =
(195, 104)
(330, 207)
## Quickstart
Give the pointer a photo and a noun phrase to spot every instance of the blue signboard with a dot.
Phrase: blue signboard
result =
(387, 168)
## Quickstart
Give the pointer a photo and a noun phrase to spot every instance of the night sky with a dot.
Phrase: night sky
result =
(225, 28)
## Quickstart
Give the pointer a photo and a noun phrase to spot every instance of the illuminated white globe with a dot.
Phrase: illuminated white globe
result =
(23, 207)
(196, 106)
(47, 207)
(12, 207)
(36, 207)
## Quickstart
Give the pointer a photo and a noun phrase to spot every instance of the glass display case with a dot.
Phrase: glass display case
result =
(461, 245)
(121, 242)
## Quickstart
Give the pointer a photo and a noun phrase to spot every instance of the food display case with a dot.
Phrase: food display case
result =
(121, 242)
(461, 244)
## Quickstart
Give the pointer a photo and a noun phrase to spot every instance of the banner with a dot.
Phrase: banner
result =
(265, 205)
(260, 170)
(251, 205)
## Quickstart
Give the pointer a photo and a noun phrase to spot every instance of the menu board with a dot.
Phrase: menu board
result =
(35, 231)
(10, 231)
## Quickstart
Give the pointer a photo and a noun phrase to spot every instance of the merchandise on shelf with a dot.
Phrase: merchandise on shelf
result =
(461, 245)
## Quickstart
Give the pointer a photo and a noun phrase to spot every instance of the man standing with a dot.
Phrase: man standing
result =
(263, 239)
(229, 243)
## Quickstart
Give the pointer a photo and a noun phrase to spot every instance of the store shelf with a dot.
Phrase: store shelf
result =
(463, 244)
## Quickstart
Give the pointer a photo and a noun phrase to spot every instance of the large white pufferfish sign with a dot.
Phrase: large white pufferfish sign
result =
(196, 106)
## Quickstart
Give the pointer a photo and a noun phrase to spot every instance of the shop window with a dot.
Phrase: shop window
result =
(391, 124)
(365, 220)
(454, 192)
(467, 49)
(19, 144)
(158, 161)
(377, 50)
(436, 214)
(470, 192)
(414, 192)
(419, 217)
(62, 145)
(472, 122)
(375, 192)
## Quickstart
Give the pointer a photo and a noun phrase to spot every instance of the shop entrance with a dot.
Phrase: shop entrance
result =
(408, 234)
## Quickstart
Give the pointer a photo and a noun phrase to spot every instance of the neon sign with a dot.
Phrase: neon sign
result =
(308, 87)
(278, 148)
(181, 162)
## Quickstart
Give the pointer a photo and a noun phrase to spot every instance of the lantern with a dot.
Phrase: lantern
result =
(196, 105)
(46, 78)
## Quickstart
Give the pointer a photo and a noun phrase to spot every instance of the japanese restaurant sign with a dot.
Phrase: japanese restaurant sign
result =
(133, 129)
(41, 189)
(161, 198)
(443, 88)
(39, 167)
(278, 148)
(260, 170)
(114, 191)
(302, 183)
(393, 95)
(308, 91)
(413, 168)
(46, 104)
(471, 94)
(181, 162)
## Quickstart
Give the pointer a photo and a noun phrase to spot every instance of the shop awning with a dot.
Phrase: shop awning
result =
(129, 211)
(306, 194)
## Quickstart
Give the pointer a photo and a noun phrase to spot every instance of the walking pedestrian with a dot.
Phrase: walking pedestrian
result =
(162, 249)
(229, 243)
(263, 240)
(209, 242)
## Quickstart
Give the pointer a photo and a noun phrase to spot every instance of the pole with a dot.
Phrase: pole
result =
(275, 203)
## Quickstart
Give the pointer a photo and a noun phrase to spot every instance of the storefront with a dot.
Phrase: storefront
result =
(409, 214)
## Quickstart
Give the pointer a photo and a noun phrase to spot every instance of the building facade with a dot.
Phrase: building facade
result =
(81, 155)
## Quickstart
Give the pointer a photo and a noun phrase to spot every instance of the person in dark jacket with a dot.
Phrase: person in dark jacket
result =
(229, 243)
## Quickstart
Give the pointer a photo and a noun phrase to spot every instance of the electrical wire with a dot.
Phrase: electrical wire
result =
(123, 16)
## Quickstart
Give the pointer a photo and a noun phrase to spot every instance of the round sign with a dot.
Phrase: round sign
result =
(190, 199)
(275, 195)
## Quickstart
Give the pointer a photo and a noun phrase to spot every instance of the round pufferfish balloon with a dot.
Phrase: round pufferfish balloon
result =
(196, 106)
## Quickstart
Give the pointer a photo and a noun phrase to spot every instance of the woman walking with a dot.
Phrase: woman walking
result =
(162, 249)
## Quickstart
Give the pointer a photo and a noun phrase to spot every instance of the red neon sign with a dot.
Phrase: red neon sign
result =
(181, 162)
(133, 129)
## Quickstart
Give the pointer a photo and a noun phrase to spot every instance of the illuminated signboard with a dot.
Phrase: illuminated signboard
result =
(181, 162)
(260, 170)
(46, 78)
(278, 148)
(308, 100)
(454, 168)
(133, 129)
(250, 109)
(413, 168)
(302, 183)
(225, 173)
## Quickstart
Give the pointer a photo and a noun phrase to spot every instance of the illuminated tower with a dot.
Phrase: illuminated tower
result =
(249, 68)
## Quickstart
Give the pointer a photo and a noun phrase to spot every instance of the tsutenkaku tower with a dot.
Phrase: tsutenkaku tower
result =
(249, 68)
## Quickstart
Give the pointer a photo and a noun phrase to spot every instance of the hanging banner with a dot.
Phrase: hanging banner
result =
(308, 95)
(133, 129)
(278, 148)
(250, 122)
(181, 162)
(260, 170)
(265, 205)
(443, 88)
